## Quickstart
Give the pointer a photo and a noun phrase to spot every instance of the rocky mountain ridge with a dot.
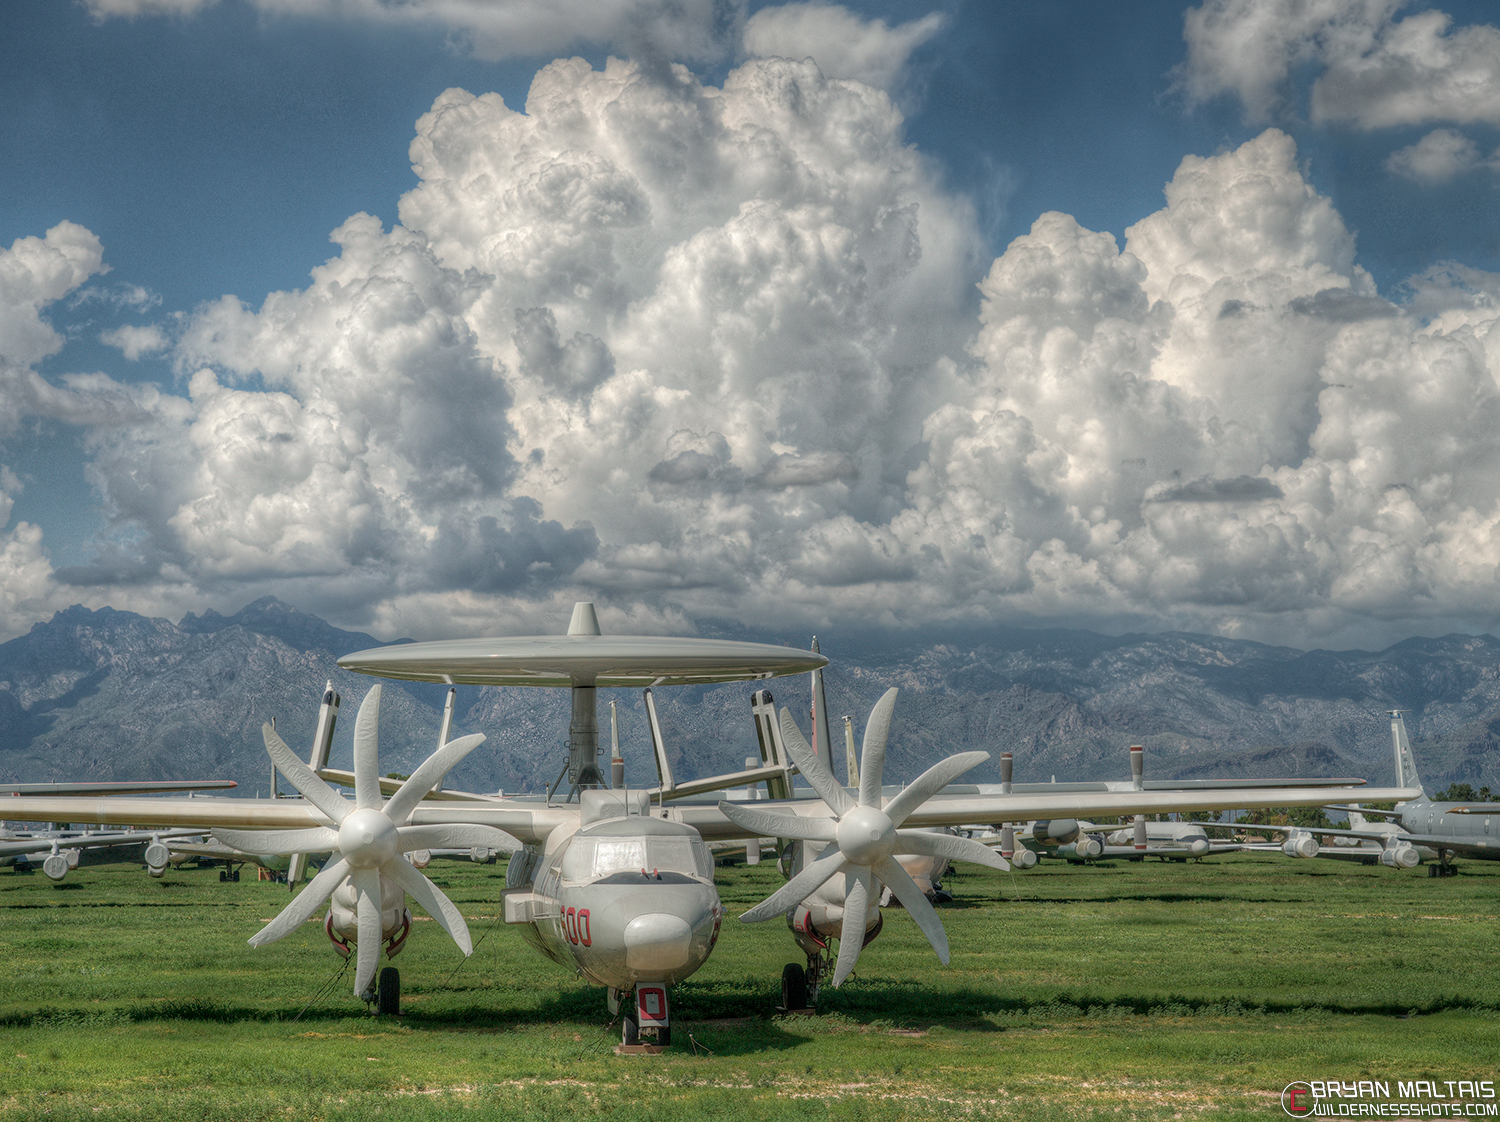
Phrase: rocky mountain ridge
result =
(105, 694)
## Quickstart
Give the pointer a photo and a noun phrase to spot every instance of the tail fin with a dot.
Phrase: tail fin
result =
(1406, 768)
(1356, 820)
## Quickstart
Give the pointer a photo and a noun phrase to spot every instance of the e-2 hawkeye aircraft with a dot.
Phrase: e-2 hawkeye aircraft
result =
(609, 886)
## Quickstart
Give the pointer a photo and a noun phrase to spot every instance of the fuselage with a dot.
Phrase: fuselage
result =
(620, 901)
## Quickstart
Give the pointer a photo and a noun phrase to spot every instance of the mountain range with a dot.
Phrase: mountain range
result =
(106, 694)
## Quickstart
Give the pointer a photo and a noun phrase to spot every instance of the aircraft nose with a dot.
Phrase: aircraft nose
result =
(1198, 847)
(658, 941)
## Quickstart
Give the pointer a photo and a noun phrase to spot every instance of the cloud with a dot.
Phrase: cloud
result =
(843, 44)
(1373, 70)
(135, 341)
(26, 581)
(1438, 157)
(35, 272)
(706, 352)
(497, 29)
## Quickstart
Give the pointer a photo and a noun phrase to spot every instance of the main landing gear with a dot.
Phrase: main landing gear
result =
(1445, 866)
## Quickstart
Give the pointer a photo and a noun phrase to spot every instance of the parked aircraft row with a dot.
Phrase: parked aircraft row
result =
(617, 885)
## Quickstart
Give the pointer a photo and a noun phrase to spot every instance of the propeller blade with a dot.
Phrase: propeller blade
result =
(284, 843)
(428, 775)
(769, 824)
(438, 906)
(930, 782)
(302, 777)
(872, 755)
(799, 888)
(367, 885)
(812, 768)
(951, 847)
(456, 835)
(367, 752)
(915, 902)
(304, 904)
(856, 904)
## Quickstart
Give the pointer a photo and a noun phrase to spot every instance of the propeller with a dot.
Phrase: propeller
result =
(863, 836)
(369, 838)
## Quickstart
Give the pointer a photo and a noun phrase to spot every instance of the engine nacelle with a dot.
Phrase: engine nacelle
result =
(158, 857)
(1086, 848)
(1059, 830)
(55, 866)
(1300, 845)
(1400, 856)
(1024, 859)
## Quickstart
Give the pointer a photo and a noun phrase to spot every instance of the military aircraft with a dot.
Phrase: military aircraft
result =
(1420, 830)
(602, 880)
(66, 850)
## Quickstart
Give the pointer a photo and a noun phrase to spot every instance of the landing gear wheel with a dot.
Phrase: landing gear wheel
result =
(629, 1031)
(388, 993)
(793, 987)
(223, 876)
(235, 876)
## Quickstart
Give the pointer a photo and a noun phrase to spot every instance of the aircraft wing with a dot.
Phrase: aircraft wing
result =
(968, 810)
(15, 847)
(221, 852)
(532, 820)
(1214, 849)
(117, 787)
(1487, 849)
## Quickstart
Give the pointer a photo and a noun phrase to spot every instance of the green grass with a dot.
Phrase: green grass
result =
(1155, 991)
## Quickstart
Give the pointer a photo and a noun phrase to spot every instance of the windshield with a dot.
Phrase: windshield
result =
(600, 857)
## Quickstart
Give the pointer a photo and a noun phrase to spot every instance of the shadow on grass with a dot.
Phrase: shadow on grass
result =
(752, 1022)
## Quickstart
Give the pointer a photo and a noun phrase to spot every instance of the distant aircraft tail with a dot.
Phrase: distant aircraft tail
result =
(1406, 767)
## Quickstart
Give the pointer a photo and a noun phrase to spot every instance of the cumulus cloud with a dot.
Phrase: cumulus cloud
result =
(496, 29)
(699, 351)
(35, 272)
(26, 581)
(135, 341)
(1374, 70)
(844, 44)
(1439, 156)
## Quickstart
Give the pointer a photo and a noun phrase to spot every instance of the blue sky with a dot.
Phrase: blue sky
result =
(619, 366)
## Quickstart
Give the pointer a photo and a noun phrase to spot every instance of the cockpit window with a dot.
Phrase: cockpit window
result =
(615, 855)
(681, 855)
(588, 857)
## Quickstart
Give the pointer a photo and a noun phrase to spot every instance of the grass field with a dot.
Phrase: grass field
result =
(1125, 991)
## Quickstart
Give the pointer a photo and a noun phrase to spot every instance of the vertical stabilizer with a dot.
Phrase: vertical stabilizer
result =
(772, 750)
(1406, 767)
(821, 745)
(658, 746)
(851, 757)
(322, 745)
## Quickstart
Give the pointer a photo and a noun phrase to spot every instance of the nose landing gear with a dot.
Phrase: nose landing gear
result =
(644, 1010)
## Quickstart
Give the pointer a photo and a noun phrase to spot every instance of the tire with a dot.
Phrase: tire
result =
(235, 876)
(629, 1031)
(388, 993)
(793, 987)
(223, 876)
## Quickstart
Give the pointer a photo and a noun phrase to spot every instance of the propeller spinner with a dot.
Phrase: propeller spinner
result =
(370, 838)
(863, 836)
